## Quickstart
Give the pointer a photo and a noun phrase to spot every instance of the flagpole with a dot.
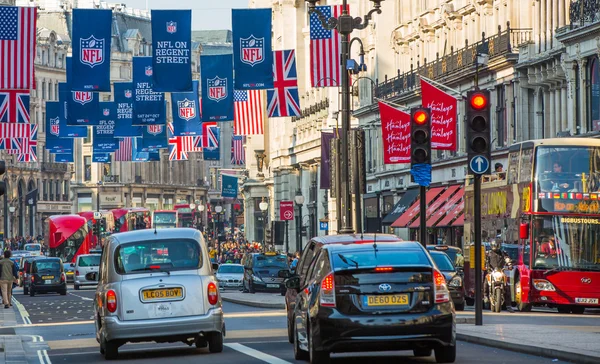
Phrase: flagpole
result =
(402, 107)
(442, 86)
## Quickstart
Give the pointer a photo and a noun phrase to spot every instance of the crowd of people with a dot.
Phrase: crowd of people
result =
(18, 242)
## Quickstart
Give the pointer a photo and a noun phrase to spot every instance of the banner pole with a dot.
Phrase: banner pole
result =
(435, 83)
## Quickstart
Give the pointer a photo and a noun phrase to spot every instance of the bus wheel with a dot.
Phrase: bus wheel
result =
(523, 307)
(577, 310)
(563, 309)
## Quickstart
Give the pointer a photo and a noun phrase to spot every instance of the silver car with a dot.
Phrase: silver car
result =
(157, 286)
(230, 275)
(85, 264)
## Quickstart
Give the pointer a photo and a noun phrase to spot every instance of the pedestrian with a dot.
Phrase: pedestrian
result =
(8, 275)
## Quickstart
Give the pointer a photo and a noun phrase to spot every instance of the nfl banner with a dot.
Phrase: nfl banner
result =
(148, 106)
(123, 92)
(91, 50)
(67, 131)
(82, 106)
(154, 137)
(172, 50)
(64, 158)
(104, 132)
(217, 87)
(53, 139)
(186, 113)
(211, 150)
(252, 54)
(229, 186)
(100, 157)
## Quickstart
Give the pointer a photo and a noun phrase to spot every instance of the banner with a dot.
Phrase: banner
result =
(148, 106)
(443, 116)
(212, 150)
(67, 131)
(252, 54)
(100, 157)
(186, 112)
(172, 50)
(123, 92)
(154, 137)
(53, 140)
(217, 87)
(82, 106)
(104, 133)
(91, 45)
(143, 155)
(325, 181)
(395, 130)
(64, 158)
(229, 186)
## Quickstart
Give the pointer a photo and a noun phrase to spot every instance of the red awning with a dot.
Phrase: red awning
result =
(460, 221)
(437, 204)
(449, 211)
(413, 211)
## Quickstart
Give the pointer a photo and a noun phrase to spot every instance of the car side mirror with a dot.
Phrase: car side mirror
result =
(284, 273)
(524, 231)
(293, 283)
(92, 276)
(215, 266)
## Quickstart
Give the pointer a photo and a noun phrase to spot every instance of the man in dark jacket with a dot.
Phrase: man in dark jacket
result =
(7, 278)
(497, 258)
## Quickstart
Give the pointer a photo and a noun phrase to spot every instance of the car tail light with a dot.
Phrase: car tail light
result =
(76, 272)
(213, 293)
(327, 297)
(63, 277)
(442, 294)
(32, 279)
(383, 269)
(111, 300)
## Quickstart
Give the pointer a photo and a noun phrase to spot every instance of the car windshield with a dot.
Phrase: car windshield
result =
(512, 251)
(231, 269)
(158, 255)
(369, 258)
(33, 247)
(89, 261)
(443, 262)
(275, 261)
(165, 217)
(47, 265)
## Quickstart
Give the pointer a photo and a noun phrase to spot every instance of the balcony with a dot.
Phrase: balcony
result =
(54, 167)
(504, 43)
(584, 12)
(111, 178)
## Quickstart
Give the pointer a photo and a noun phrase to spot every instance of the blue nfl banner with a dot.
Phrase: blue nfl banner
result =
(64, 158)
(154, 137)
(100, 157)
(186, 113)
(149, 107)
(104, 133)
(252, 54)
(212, 151)
(82, 106)
(53, 140)
(91, 50)
(64, 130)
(217, 87)
(123, 92)
(172, 50)
(229, 186)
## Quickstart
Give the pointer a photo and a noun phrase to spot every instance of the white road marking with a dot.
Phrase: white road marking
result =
(256, 354)
(42, 354)
(22, 311)
(83, 298)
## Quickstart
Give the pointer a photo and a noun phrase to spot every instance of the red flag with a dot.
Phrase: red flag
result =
(395, 129)
(443, 116)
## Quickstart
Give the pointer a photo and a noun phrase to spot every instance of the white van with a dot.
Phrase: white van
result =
(33, 249)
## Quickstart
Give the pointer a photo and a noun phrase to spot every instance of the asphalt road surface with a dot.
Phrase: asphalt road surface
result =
(254, 335)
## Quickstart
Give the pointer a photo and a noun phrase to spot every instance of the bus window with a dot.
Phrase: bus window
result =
(568, 169)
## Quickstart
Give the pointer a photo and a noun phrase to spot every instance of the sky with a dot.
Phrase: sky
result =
(206, 14)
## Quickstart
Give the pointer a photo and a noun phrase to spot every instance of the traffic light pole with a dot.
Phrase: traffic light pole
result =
(478, 268)
(423, 216)
(287, 238)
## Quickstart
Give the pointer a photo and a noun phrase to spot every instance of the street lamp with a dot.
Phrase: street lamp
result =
(218, 210)
(299, 199)
(12, 210)
(345, 24)
(263, 207)
(193, 208)
(201, 209)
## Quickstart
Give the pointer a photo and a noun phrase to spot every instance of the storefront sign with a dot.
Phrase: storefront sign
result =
(107, 199)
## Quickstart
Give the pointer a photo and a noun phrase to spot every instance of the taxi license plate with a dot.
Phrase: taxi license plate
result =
(47, 277)
(158, 294)
(387, 300)
(593, 301)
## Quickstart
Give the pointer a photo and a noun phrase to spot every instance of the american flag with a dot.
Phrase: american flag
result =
(28, 151)
(125, 151)
(248, 112)
(283, 100)
(325, 70)
(238, 154)
(15, 130)
(14, 106)
(17, 47)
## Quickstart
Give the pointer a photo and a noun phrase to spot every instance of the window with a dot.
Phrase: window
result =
(87, 168)
(366, 258)
(158, 255)
(88, 138)
(43, 90)
(51, 190)
(501, 116)
(45, 188)
(594, 95)
(66, 190)
(89, 261)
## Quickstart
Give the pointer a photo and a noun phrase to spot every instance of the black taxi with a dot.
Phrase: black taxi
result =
(261, 272)
(47, 275)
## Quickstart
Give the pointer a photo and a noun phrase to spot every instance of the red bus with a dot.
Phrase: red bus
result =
(185, 216)
(67, 236)
(162, 219)
(109, 223)
(548, 204)
(132, 218)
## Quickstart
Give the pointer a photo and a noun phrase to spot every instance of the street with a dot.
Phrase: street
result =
(254, 335)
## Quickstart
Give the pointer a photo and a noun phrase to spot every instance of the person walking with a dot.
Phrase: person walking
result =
(7, 278)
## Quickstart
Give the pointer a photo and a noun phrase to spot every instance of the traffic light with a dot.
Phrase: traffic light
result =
(102, 225)
(268, 236)
(2, 171)
(478, 131)
(420, 136)
(95, 227)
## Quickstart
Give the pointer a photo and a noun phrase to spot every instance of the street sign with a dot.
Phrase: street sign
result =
(97, 215)
(479, 164)
(324, 225)
(286, 210)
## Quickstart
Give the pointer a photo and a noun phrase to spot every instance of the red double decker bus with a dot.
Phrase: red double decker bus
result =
(185, 216)
(548, 204)
(67, 236)
(132, 218)
(109, 223)
(162, 219)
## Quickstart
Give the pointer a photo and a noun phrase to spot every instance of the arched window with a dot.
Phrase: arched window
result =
(594, 94)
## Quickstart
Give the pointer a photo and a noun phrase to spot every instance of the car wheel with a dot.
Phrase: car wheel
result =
(564, 309)
(290, 330)
(299, 354)
(31, 292)
(111, 350)
(460, 306)
(25, 291)
(445, 354)
(215, 342)
(316, 357)
(63, 292)
(422, 352)
(76, 287)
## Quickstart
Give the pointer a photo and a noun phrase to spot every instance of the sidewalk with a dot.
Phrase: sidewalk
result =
(258, 299)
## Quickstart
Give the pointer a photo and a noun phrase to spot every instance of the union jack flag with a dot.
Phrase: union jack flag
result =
(212, 139)
(14, 106)
(238, 154)
(15, 130)
(283, 100)
(176, 148)
(204, 139)
(28, 151)
(10, 145)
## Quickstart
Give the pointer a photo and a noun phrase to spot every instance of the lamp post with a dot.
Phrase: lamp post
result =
(218, 210)
(201, 209)
(12, 210)
(263, 207)
(193, 208)
(299, 199)
(345, 24)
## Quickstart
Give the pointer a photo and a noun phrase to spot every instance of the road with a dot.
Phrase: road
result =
(254, 335)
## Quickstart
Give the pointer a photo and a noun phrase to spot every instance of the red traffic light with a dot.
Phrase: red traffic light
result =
(478, 101)
(420, 117)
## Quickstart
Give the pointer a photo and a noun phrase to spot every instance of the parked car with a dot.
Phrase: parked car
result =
(24, 273)
(376, 295)
(454, 253)
(454, 279)
(85, 264)
(261, 272)
(230, 275)
(157, 286)
(47, 275)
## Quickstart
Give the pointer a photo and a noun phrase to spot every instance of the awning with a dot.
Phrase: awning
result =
(413, 211)
(431, 209)
(449, 207)
(406, 200)
(460, 221)
(457, 211)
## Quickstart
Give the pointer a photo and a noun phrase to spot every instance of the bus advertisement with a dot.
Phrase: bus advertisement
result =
(133, 218)
(162, 219)
(185, 216)
(548, 204)
(67, 236)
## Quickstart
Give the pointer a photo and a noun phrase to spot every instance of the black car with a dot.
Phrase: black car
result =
(372, 297)
(47, 275)
(454, 253)
(454, 279)
(25, 275)
(261, 272)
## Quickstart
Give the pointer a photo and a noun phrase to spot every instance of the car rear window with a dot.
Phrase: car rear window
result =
(274, 261)
(368, 258)
(46, 265)
(158, 255)
(33, 247)
(89, 261)
(231, 269)
(443, 262)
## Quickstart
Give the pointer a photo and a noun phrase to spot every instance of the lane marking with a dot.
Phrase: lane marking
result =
(78, 296)
(42, 354)
(256, 354)
(22, 311)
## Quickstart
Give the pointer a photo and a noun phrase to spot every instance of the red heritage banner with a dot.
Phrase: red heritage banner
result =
(395, 129)
(443, 116)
